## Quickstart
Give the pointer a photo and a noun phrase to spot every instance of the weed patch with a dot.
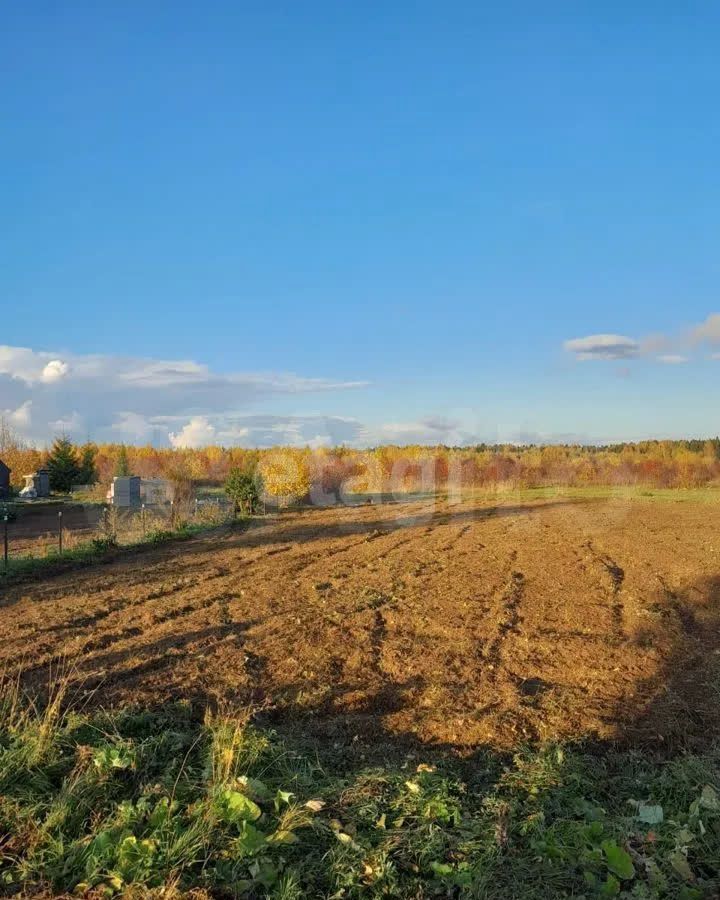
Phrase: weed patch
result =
(155, 799)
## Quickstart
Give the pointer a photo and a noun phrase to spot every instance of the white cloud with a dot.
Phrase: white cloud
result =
(21, 417)
(54, 371)
(72, 424)
(672, 359)
(122, 397)
(603, 346)
(134, 428)
(197, 433)
(708, 332)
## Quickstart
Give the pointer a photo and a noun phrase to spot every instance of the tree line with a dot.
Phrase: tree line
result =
(327, 472)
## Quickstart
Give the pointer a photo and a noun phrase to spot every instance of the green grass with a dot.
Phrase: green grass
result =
(509, 494)
(599, 492)
(91, 552)
(159, 801)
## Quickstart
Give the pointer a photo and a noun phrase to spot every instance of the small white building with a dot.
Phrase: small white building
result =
(131, 490)
(125, 491)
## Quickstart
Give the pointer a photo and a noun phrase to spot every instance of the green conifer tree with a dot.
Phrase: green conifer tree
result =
(63, 466)
(88, 470)
(242, 489)
(122, 463)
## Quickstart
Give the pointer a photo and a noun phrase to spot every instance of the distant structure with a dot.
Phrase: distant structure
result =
(4, 480)
(37, 485)
(125, 491)
(154, 491)
(81, 488)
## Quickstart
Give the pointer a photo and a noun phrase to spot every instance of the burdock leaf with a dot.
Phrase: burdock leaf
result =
(618, 860)
(240, 807)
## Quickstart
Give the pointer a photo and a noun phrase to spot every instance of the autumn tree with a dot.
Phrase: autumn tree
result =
(285, 474)
(20, 458)
(183, 487)
(9, 438)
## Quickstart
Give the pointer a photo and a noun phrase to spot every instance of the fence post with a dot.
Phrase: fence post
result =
(172, 514)
(142, 518)
(5, 544)
(60, 531)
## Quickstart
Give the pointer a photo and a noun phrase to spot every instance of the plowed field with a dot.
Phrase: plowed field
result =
(458, 626)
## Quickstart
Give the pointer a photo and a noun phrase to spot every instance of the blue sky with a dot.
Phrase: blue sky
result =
(409, 208)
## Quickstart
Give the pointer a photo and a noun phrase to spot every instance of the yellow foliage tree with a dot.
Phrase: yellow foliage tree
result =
(285, 474)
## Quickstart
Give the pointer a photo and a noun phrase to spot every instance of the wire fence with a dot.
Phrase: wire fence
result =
(60, 529)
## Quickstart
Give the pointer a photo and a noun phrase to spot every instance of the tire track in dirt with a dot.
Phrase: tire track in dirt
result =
(617, 576)
(301, 562)
(483, 628)
(507, 615)
(685, 616)
(83, 622)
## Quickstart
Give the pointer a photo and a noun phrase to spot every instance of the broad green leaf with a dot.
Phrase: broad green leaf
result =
(610, 887)
(264, 872)
(688, 893)
(254, 788)
(240, 807)
(683, 838)
(250, 841)
(679, 862)
(618, 860)
(709, 798)
(655, 876)
(442, 870)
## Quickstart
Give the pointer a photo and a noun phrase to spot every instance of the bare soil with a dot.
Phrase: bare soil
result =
(456, 626)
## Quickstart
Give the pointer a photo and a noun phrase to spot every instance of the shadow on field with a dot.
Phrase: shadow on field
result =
(680, 705)
(675, 710)
(307, 530)
(215, 668)
(359, 710)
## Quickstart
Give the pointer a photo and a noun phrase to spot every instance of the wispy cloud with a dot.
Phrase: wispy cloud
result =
(661, 348)
(603, 346)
